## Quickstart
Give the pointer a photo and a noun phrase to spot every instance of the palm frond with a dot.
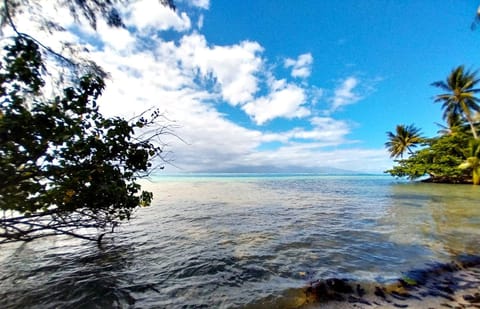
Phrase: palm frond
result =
(404, 138)
(460, 99)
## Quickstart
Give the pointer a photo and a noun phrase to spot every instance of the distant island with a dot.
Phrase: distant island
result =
(272, 169)
(454, 155)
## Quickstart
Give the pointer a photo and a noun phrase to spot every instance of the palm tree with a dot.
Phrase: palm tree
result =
(473, 161)
(453, 126)
(460, 97)
(405, 138)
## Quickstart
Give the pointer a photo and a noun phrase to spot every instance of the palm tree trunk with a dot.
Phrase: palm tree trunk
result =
(472, 127)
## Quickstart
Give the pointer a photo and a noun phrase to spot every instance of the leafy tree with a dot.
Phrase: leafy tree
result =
(64, 167)
(440, 159)
(404, 138)
(71, 64)
(473, 161)
(460, 99)
(453, 157)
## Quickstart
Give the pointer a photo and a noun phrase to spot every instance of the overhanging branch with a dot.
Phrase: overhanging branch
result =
(55, 222)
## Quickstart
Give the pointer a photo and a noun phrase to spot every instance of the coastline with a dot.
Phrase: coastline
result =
(446, 180)
(448, 285)
(464, 296)
(441, 285)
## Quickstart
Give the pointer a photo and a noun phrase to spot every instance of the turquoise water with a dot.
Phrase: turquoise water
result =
(261, 176)
(238, 240)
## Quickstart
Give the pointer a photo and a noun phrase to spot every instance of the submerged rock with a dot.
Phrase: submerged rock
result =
(330, 289)
(472, 298)
(439, 284)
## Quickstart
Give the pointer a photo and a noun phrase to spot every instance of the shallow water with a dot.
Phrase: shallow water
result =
(238, 241)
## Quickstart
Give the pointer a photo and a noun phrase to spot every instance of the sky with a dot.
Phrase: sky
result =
(249, 85)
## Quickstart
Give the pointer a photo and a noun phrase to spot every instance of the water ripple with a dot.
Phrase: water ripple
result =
(231, 244)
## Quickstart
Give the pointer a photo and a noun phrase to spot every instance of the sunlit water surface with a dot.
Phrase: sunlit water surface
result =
(235, 241)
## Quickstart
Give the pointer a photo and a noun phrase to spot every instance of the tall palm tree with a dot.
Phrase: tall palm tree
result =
(473, 161)
(460, 97)
(404, 138)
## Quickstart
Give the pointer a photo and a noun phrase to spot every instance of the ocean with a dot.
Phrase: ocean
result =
(254, 241)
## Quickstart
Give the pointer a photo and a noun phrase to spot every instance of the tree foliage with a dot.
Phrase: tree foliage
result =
(472, 160)
(459, 100)
(404, 139)
(68, 58)
(64, 167)
(90, 10)
(62, 164)
(439, 159)
(452, 157)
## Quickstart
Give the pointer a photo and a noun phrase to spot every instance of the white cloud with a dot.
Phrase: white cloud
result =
(315, 94)
(151, 14)
(310, 155)
(233, 67)
(326, 129)
(286, 102)
(200, 22)
(186, 78)
(344, 94)
(203, 4)
(119, 39)
(209, 139)
(301, 67)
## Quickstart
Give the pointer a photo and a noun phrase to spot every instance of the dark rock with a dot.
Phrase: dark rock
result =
(469, 260)
(398, 296)
(339, 285)
(424, 294)
(408, 295)
(446, 289)
(320, 290)
(400, 305)
(379, 292)
(360, 291)
(337, 297)
(439, 294)
(353, 299)
(330, 289)
(472, 298)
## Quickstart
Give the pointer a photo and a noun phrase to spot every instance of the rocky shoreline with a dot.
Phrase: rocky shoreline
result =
(450, 285)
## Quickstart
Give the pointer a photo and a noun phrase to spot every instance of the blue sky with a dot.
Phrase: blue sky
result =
(395, 49)
(302, 84)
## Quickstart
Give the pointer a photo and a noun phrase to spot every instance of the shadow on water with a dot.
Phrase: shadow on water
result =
(87, 276)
